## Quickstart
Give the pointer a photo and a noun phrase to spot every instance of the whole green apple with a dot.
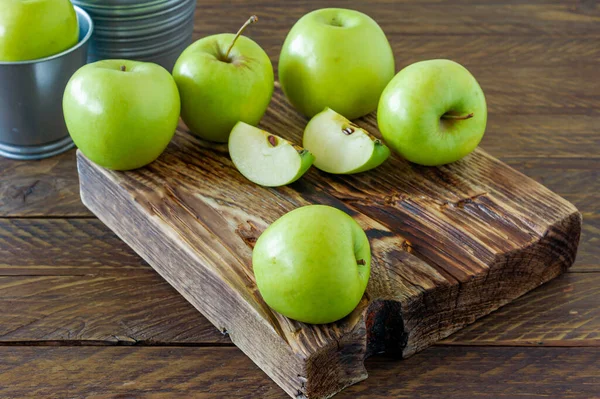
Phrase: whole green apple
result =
(223, 79)
(313, 264)
(36, 29)
(335, 58)
(121, 114)
(433, 112)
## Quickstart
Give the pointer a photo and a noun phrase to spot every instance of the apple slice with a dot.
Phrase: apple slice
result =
(266, 159)
(340, 146)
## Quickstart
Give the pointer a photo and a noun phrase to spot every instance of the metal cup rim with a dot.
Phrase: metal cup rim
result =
(81, 13)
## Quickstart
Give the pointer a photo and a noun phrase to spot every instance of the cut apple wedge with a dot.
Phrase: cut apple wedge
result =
(340, 146)
(266, 159)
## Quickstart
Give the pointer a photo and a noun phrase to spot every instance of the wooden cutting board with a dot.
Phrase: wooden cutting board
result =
(450, 244)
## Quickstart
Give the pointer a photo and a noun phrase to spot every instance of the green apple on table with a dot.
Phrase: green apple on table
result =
(223, 79)
(267, 159)
(335, 58)
(121, 114)
(433, 112)
(340, 146)
(313, 264)
(36, 29)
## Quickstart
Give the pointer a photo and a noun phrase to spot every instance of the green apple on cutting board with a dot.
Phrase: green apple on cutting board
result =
(313, 264)
(267, 159)
(335, 58)
(36, 29)
(121, 114)
(223, 79)
(433, 112)
(340, 146)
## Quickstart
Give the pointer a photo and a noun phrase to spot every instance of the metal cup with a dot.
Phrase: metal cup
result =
(144, 30)
(32, 125)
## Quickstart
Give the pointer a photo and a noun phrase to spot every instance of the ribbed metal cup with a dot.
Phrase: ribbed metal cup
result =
(144, 30)
(31, 117)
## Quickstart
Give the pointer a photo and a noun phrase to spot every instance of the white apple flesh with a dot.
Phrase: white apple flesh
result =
(267, 159)
(340, 146)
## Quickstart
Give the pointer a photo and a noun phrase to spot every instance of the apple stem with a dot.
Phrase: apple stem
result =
(250, 21)
(457, 117)
(123, 68)
(361, 262)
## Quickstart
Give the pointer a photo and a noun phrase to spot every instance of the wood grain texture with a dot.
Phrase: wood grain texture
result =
(450, 245)
(409, 18)
(40, 188)
(213, 373)
(142, 309)
(564, 312)
(69, 247)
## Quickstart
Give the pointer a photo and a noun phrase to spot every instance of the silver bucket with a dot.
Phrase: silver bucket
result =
(146, 30)
(31, 117)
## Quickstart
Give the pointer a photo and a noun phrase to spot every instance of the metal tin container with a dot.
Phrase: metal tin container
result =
(31, 117)
(144, 30)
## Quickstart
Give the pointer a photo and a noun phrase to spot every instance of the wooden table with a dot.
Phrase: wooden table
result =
(83, 316)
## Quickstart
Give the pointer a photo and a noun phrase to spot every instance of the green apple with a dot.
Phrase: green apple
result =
(223, 79)
(121, 114)
(433, 112)
(313, 264)
(335, 58)
(266, 159)
(340, 146)
(32, 29)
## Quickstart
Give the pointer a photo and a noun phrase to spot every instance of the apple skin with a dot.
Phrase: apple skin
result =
(411, 107)
(36, 29)
(215, 94)
(121, 120)
(308, 267)
(344, 67)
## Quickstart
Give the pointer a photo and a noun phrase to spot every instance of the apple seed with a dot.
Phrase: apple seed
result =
(348, 131)
(272, 140)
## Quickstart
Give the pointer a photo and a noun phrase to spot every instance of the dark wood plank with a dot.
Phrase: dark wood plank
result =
(550, 137)
(472, 372)
(564, 312)
(132, 310)
(40, 188)
(70, 247)
(505, 50)
(441, 18)
(143, 372)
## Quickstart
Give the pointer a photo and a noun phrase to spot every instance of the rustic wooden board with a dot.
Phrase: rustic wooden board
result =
(450, 245)
(216, 373)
